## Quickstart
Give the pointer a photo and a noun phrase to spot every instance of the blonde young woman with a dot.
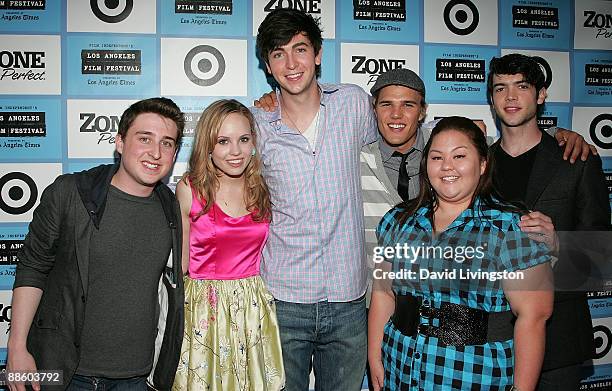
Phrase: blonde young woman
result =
(231, 337)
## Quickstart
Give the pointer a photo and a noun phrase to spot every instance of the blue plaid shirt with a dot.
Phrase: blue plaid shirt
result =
(425, 363)
(315, 249)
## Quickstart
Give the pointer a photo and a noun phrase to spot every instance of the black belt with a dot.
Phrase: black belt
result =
(459, 325)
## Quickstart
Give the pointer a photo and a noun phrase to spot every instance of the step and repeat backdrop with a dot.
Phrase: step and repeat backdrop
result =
(68, 69)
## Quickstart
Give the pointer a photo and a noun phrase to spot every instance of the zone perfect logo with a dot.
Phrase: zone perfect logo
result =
(363, 63)
(373, 67)
(203, 67)
(323, 11)
(30, 64)
(21, 186)
(92, 127)
(598, 21)
(593, 28)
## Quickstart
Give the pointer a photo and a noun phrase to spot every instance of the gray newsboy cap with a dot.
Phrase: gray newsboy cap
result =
(399, 77)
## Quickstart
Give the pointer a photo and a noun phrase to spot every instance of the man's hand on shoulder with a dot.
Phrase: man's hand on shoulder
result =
(268, 102)
(540, 228)
(575, 145)
(19, 360)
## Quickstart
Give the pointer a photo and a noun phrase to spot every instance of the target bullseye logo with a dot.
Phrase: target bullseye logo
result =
(546, 69)
(603, 341)
(204, 65)
(18, 193)
(461, 16)
(112, 11)
(601, 131)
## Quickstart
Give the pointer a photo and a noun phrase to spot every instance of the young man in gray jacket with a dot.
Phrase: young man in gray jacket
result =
(101, 245)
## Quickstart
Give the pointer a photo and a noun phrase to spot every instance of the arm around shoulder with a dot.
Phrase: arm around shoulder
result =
(592, 199)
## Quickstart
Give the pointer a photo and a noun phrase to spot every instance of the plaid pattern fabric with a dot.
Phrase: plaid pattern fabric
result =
(315, 249)
(425, 363)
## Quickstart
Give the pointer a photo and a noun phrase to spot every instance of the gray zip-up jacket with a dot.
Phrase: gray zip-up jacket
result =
(55, 258)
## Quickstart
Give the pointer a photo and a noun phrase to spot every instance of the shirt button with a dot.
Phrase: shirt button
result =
(417, 356)
(414, 382)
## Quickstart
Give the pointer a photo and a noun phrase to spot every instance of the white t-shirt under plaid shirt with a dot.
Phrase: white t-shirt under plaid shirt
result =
(315, 249)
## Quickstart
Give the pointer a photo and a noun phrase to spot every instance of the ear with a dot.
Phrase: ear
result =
(268, 68)
(483, 166)
(542, 94)
(119, 144)
(319, 56)
(423, 113)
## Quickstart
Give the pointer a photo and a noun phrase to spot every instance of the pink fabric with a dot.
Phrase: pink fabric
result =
(222, 247)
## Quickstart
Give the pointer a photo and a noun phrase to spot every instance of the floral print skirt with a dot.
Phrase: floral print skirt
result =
(231, 337)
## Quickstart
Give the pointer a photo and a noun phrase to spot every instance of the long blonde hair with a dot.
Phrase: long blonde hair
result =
(202, 173)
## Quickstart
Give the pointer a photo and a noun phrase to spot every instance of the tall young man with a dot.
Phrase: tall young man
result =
(100, 245)
(314, 260)
(565, 197)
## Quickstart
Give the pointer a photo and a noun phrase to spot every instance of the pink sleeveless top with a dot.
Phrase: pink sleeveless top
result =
(222, 247)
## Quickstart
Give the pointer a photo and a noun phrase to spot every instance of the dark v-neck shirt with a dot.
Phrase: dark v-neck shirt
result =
(512, 174)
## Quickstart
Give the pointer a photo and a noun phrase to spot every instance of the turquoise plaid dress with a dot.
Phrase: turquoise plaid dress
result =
(425, 363)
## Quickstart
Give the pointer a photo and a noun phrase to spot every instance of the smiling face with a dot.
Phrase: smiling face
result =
(515, 100)
(294, 66)
(147, 153)
(232, 152)
(398, 112)
(454, 167)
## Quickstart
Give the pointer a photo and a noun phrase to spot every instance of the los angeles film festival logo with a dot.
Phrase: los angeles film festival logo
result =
(530, 18)
(380, 10)
(111, 62)
(21, 5)
(598, 75)
(218, 7)
(460, 70)
(15, 126)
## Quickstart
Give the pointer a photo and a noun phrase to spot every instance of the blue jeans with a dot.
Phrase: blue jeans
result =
(92, 383)
(331, 336)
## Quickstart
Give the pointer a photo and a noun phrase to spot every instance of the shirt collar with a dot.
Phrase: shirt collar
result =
(473, 212)
(386, 151)
(326, 91)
